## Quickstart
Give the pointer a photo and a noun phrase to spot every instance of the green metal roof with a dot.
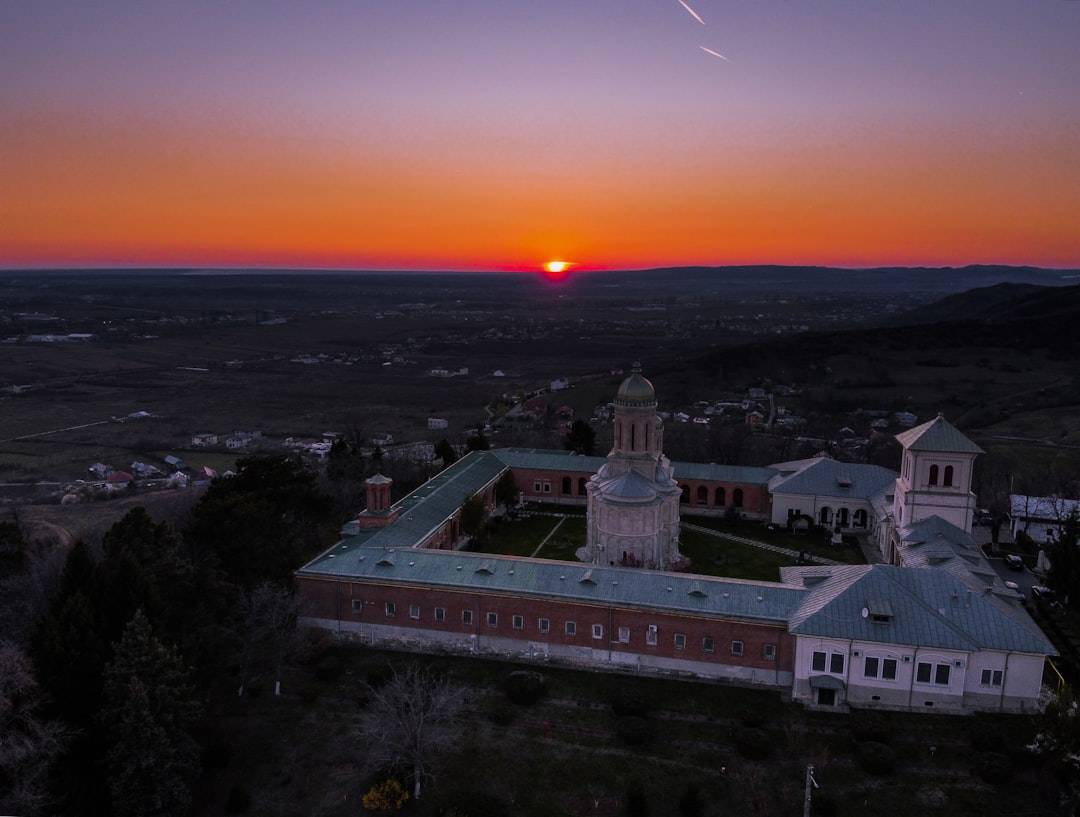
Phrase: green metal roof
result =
(518, 576)
(937, 435)
(931, 608)
(843, 480)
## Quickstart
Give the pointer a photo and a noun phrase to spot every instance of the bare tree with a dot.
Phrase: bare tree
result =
(264, 629)
(411, 719)
(28, 742)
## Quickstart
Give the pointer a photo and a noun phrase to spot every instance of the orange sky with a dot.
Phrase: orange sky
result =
(424, 184)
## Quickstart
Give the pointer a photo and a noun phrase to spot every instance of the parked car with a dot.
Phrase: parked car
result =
(1040, 592)
(1014, 562)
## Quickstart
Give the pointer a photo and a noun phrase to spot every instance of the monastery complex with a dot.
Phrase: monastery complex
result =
(931, 627)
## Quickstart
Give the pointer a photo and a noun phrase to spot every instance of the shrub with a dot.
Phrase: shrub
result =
(876, 758)
(868, 725)
(524, 687)
(993, 767)
(386, 797)
(634, 730)
(753, 743)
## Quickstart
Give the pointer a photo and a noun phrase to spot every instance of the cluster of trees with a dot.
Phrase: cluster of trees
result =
(138, 635)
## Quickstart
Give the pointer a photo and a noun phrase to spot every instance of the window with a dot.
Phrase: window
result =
(547, 487)
(992, 677)
(493, 619)
(947, 480)
(538, 487)
(708, 644)
(836, 663)
(440, 614)
(598, 631)
(545, 625)
(939, 672)
(650, 635)
(702, 495)
(624, 635)
(871, 667)
(737, 497)
(818, 664)
(357, 606)
(737, 648)
(391, 609)
(933, 474)
(768, 652)
(566, 485)
(571, 628)
(680, 641)
(466, 616)
(518, 622)
(888, 669)
(414, 611)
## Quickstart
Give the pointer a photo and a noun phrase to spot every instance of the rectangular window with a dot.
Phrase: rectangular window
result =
(991, 677)
(466, 616)
(871, 667)
(547, 487)
(818, 664)
(736, 648)
(922, 673)
(493, 619)
(391, 609)
(708, 644)
(680, 641)
(545, 625)
(768, 652)
(888, 669)
(538, 487)
(598, 631)
(519, 622)
(414, 611)
(624, 635)
(941, 674)
(440, 614)
(357, 606)
(650, 635)
(836, 663)
(571, 628)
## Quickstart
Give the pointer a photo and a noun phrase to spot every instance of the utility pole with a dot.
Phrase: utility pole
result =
(809, 782)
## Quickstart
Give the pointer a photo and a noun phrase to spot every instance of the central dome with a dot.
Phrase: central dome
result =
(636, 390)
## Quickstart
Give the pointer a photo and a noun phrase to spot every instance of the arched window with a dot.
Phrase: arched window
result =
(633, 437)
(825, 515)
(581, 486)
(948, 476)
(842, 517)
(566, 486)
(933, 474)
(685, 495)
(721, 497)
(860, 518)
(736, 498)
(702, 495)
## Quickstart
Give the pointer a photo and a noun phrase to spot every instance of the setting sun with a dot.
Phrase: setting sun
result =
(555, 267)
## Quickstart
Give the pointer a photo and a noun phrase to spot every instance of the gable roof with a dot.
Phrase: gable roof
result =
(931, 609)
(937, 435)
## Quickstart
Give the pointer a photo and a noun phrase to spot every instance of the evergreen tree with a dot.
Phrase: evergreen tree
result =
(445, 451)
(581, 439)
(506, 489)
(149, 709)
(477, 442)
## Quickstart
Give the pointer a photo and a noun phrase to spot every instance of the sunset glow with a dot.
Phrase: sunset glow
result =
(483, 137)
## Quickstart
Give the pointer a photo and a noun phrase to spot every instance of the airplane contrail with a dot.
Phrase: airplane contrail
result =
(714, 53)
(692, 12)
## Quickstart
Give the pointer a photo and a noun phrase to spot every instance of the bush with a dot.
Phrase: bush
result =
(634, 730)
(753, 743)
(524, 687)
(239, 799)
(876, 758)
(386, 797)
(868, 725)
(993, 767)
